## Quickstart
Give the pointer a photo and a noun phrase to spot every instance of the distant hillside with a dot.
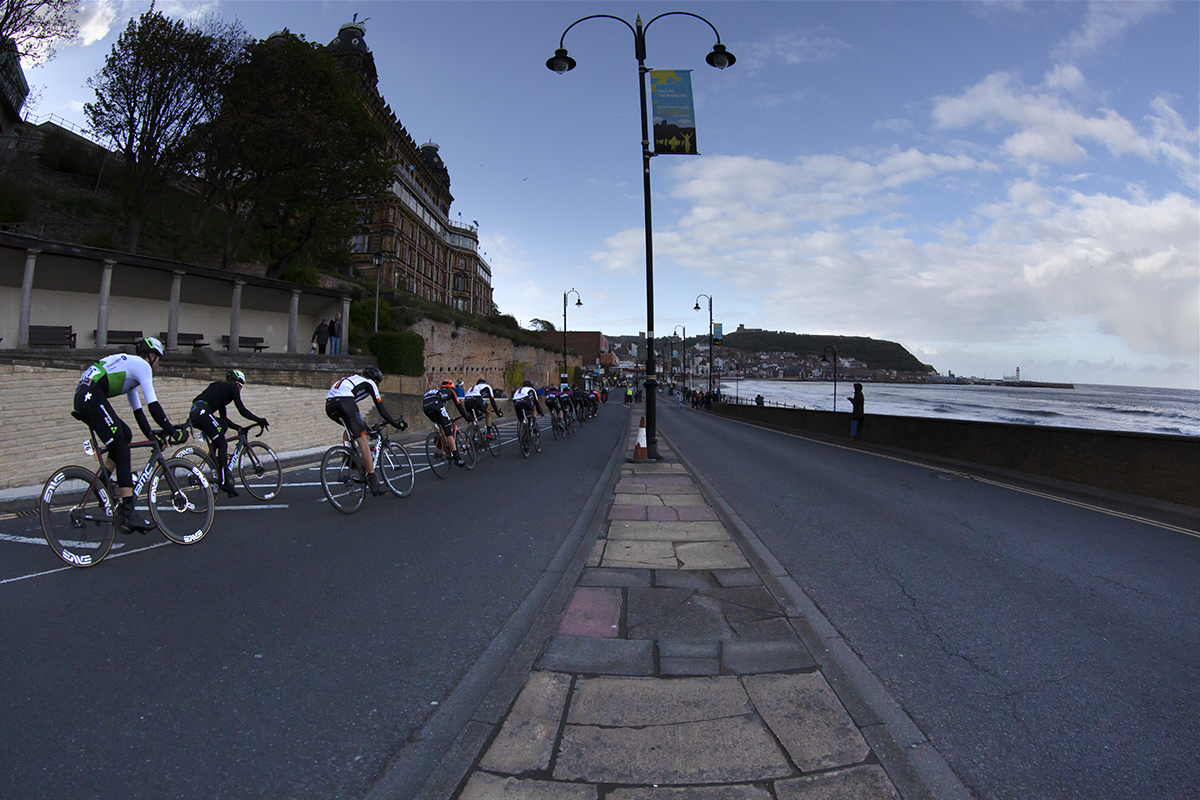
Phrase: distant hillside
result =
(875, 353)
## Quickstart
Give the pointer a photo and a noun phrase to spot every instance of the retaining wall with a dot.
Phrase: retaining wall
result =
(1158, 466)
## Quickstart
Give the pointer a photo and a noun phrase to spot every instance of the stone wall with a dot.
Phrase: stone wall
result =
(1158, 466)
(468, 355)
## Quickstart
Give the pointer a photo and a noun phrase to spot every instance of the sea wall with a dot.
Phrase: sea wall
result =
(1157, 466)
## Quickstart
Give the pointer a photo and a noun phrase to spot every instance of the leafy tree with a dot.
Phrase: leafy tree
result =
(37, 25)
(162, 78)
(291, 151)
(546, 325)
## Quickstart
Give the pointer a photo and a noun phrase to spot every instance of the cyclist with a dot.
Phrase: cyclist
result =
(481, 399)
(553, 403)
(525, 401)
(434, 406)
(208, 416)
(123, 374)
(341, 406)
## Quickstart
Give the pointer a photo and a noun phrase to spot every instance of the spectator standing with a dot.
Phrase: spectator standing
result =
(856, 411)
(320, 336)
(335, 334)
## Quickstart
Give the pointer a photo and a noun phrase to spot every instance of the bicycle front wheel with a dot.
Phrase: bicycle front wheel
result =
(397, 469)
(556, 428)
(493, 444)
(523, 438)
(76, 512)
(465, 449)
(258, 467)
(536, 436)
(439, 463)
(181, 502)
(341, 480)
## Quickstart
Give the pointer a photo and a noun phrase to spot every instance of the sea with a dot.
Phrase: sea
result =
(1112, 408)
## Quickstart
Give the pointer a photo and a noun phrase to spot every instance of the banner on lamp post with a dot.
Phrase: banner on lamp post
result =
(717, 333)
(674, 114)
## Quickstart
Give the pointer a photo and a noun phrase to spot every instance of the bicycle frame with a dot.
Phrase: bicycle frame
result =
(92, 447)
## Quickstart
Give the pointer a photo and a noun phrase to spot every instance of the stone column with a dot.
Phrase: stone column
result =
(294, 322)
(173, 313)
(345, 326)
(102, 314)
(26, 298)
(235, 316)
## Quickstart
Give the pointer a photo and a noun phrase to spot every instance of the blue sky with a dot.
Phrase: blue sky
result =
(992, 184)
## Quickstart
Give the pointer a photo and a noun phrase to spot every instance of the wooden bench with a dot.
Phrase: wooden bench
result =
(51, 336)
(121, 337)
(192, 340)
(255, 343)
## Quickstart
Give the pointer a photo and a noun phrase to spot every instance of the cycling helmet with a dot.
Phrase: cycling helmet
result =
(448, 384)
(373, 373)
(528, 383)
(148, 345)
(237, 376)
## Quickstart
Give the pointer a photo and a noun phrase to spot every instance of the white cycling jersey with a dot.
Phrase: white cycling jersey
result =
(524, 393)
(480, 390)
(122, 374)
(356, 387)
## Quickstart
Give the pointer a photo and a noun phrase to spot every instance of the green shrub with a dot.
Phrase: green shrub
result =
(398, 352)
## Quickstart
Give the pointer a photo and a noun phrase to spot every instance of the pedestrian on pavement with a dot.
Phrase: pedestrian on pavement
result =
(629, 394)
(320, 337)
(335, 334)
(856, 411)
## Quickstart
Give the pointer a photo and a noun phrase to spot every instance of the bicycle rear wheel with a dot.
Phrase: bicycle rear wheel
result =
(555, 428)
(76, 512)
(523, 438)
(397, 469)
(493, 444)
(199, 457)
(465, 449)
(340, 478)
(439, 464)
(181, 503)
(259, 469)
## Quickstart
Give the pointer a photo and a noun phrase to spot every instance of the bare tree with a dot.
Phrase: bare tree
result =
(162, 78)
(37, 25)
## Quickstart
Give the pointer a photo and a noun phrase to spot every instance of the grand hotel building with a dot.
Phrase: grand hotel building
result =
(408, 231)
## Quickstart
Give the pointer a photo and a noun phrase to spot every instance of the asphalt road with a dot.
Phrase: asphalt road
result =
(1048, 650)
(294, 651)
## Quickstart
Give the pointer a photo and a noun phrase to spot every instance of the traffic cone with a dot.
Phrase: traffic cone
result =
(639, 450)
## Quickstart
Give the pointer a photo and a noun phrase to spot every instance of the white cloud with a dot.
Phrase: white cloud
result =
(1049, 129)
(1106, 21)
(790, 48)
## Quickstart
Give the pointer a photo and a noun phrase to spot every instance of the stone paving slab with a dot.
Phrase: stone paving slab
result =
(650, 555)
(678, 579)
(670, 532)
(681, 499)
(740, 792)
(743, 657)
(710, 555)
(593, 611)
(868, 782)
(601, 576)
(587, 655)
(808, 719)
(696, 513)
(622, 512)
(483, 786)
(526, 740)
(737, 577)
(641, 702)
(726, 750)
(637, 500)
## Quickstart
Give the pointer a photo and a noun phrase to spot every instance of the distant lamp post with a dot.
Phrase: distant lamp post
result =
(578, 302)
(683, 352)
(825, 360)
(720, 58)
(711, 360)
(377, 260)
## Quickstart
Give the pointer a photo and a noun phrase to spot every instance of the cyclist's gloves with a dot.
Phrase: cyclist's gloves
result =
(177, 435)
(400, 425)
(263, 422)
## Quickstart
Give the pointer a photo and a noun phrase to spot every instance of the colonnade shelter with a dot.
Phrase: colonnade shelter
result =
(56, 295)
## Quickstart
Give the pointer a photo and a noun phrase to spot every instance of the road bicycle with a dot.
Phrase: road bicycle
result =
(437, 452)
(77, 505)
(557, 427)
(344, 478)
(528, 436)
(256, 464)
(486, 438)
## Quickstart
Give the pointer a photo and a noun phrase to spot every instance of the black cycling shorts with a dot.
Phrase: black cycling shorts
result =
(344, 411)
(476, 403)
(438, 416)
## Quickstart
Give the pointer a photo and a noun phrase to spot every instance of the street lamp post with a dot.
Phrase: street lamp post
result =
(578, 302)
(711, 360)
(826, 361)
(377, 260)
(560, 62)
(683, 351)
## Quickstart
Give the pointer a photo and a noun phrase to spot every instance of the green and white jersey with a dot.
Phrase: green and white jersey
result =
(122, 374)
